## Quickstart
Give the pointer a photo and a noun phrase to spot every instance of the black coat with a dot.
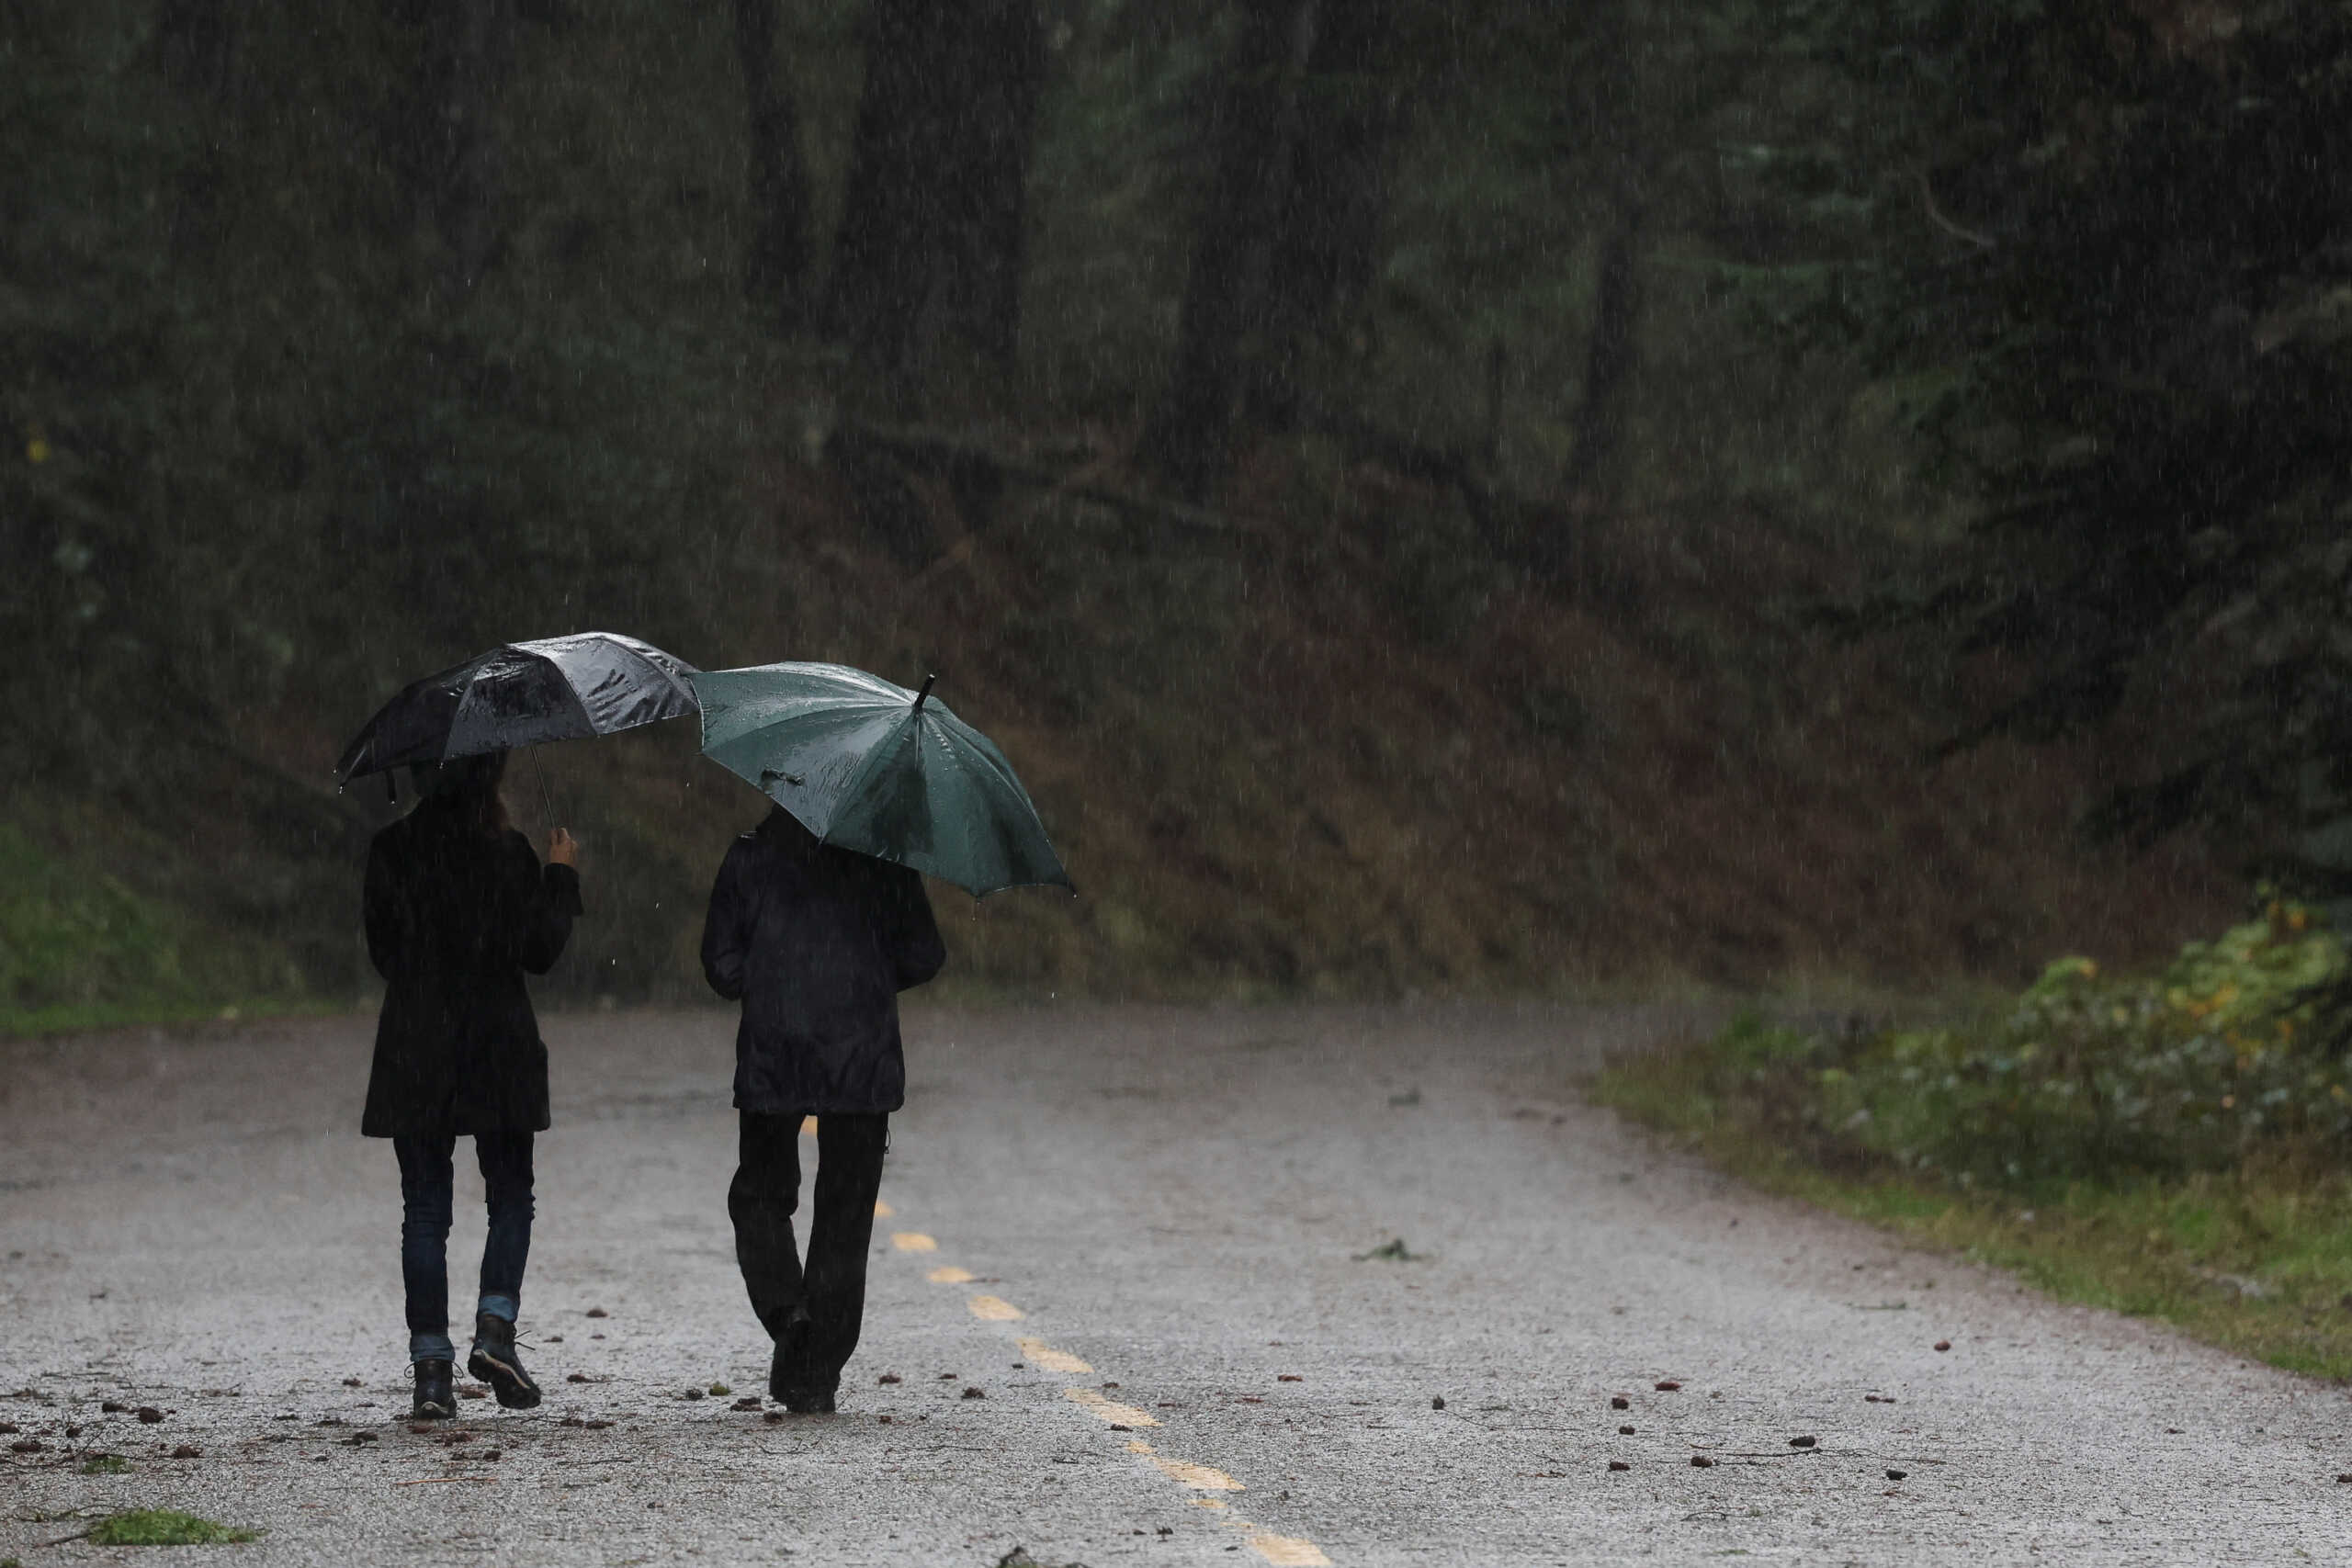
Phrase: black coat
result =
(817, 943)
(455, 917)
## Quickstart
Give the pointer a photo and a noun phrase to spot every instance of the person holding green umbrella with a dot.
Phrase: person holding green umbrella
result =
(817, 921)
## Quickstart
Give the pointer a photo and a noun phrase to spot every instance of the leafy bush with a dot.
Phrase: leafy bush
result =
(2088, 1076)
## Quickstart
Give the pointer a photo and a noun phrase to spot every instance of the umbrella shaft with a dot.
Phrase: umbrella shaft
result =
(546, 800)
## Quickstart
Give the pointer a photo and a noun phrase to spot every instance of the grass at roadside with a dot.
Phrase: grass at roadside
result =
(27, 1024)
(2256, 1256)
(81, 950)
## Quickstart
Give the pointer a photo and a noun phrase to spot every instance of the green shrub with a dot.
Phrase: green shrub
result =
(2088, 1076)
(2171, 1145)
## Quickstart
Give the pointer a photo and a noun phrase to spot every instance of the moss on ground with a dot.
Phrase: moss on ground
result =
(162, 1527)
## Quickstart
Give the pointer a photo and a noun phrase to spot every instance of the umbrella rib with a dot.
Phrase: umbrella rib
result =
(868, 766)
(630, 656)
(579, 704)
(563, 683)
(677, 682)
(367, 737)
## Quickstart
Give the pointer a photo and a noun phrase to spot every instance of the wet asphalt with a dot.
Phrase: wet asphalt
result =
(1203, 1277)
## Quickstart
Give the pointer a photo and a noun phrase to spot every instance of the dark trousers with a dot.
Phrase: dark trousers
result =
(831, 1286)
(427, 1182)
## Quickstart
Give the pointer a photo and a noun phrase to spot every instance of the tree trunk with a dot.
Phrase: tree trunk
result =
(196, 44)
(879, 273)
(1326, 248)
(934, 225)
(1003, 74)
(480, 54)
(195, 40)
(775, 259)
(1255, 133)
(1595, 475)
(443, 136)
(1611, 358)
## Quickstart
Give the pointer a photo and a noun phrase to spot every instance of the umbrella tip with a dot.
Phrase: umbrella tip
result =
(927, 680)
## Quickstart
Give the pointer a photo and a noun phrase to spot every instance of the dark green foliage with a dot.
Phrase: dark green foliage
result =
(2204, 1067)
(339, 341)
(279, 439)
(2103, 252)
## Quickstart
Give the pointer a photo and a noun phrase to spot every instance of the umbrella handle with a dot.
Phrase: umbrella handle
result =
(546, 800)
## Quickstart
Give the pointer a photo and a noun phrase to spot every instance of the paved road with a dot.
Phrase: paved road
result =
(1142, 1235)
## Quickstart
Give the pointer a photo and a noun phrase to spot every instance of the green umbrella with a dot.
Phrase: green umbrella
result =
(875, 768)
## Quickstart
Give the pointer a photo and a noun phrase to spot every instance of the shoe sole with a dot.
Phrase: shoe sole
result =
(803, 1402)
(432, 1412)
(513, 1391)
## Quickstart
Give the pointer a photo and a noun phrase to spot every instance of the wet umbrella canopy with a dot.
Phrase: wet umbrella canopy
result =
(873, 767)
(521, 693)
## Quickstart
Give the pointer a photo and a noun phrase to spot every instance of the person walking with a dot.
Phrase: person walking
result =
(458, 908)
(815, 942)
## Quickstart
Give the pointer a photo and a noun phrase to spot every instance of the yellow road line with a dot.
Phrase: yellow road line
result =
(883, 1211)
(1110, 1410)
(1277, 1551)
(1184, 1473)
(1053, 1361)
(1287, 1550)
(1199, 1477)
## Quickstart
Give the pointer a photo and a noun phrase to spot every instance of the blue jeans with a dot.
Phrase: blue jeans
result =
(427, 1182)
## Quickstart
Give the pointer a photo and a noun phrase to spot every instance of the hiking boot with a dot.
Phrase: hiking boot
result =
(436, 1401)
(805, 1401)
(494, 1362)
(786, 1375)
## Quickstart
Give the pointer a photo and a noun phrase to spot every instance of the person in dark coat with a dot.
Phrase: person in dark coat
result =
(459, 909)
(815, 942)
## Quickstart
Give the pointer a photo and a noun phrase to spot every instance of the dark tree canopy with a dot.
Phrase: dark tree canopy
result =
(2104, 249)
(342, 337)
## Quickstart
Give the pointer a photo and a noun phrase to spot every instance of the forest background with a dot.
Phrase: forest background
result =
(1486, 497)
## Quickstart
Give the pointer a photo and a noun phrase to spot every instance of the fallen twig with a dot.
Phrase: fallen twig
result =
(1798, 1453)
(1936, 216)
(445, 1479)
(1083, 483)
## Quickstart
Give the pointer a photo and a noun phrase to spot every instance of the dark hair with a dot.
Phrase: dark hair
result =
(466, 785)
(788, 832)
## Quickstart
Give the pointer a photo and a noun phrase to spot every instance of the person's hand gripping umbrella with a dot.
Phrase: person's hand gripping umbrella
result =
(872, 767)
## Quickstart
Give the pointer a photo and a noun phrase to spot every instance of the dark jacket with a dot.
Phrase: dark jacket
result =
(817, 943)
(454, 916)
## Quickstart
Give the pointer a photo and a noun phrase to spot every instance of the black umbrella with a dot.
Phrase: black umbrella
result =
(521, 693)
